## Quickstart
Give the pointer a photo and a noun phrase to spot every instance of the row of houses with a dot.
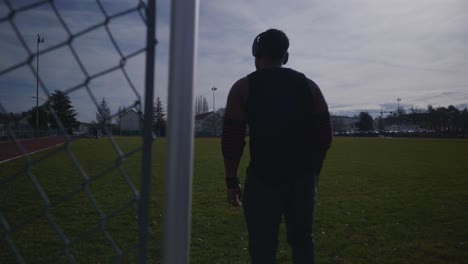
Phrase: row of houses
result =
(206, 124)
(210, 124)
(349, 124)
(129, 123)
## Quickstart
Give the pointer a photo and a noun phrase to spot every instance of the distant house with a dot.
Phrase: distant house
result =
(24, 121)
(130, 121)
(344, 123)
(83, 128)
(208, 124)
(24, 124)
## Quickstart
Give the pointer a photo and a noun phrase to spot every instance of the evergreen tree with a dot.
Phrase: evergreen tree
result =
(43, 117)
(62, 106)
(366, 122)
(159, 118)
(464, 121)
(103, 118)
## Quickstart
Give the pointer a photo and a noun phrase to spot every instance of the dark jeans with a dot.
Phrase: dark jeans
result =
(264, 205)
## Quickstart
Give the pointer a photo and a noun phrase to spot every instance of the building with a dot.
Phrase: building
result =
(344, 123)
(208, 124)
(130, 122)
(23, 124)
(82, 128)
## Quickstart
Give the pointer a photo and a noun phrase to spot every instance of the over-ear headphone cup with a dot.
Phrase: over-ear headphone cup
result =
(286, 58)
(256, 46)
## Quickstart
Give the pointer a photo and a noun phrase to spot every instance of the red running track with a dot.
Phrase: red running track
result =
(9, 150)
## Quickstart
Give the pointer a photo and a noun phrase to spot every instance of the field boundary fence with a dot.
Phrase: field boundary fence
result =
(25, 134)
(138, 202)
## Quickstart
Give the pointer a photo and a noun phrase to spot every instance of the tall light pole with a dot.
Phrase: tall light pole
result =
(214, 90)
(398, 112)
(214, 120)
(398, 105)
(39, 40)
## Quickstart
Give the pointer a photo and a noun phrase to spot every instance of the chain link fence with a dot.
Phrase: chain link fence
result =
(55, 205)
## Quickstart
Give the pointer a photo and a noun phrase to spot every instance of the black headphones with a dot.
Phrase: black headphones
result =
(257, 48)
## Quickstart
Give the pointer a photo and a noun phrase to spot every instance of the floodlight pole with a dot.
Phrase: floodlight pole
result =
(214, 90)
(398, 106)
(39, 40)
(398, 113)
(214, 120)
(179, 166)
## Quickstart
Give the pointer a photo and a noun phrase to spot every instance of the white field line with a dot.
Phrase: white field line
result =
(30, 153)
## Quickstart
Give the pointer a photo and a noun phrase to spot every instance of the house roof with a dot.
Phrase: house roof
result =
(204, 115)
(128, 111)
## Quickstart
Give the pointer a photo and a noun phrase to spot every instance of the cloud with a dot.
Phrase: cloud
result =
(60, 68)
(363, 54)
(360, 52)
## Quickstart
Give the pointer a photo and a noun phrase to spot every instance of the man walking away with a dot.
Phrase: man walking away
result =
(290, 133)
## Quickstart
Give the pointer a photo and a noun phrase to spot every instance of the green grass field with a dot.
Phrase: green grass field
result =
(380, 201)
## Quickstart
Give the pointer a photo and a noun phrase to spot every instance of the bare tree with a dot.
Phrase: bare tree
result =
(205, 107)
(201, 105)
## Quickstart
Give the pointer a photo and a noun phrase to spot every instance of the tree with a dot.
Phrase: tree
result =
(93, 129)
(441, 117)
(366, 122)
(205, 107)
(62, 106)
(3, 118)
(198, 108)
(380, 123)
(201, 105)
(453, 119)
(14, 118)
(464, 121)
(450, 120)
(43, 117)
(159, 118)
(431, 117)
(103, 118)
(220, 112)
(10, 119)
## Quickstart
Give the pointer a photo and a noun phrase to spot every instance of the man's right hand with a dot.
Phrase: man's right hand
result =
(234, 196)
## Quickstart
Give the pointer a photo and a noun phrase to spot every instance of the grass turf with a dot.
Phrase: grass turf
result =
(380, 201)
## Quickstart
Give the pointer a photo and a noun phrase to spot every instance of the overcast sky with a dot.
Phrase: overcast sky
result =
(364, 54)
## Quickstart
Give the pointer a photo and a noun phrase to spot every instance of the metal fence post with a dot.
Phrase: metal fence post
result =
(144, 201)
(178, 180)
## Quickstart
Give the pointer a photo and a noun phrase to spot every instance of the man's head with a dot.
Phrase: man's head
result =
(270, 48)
